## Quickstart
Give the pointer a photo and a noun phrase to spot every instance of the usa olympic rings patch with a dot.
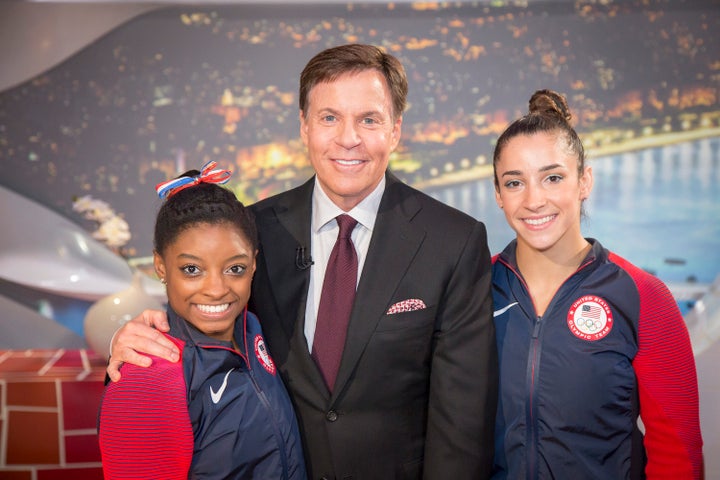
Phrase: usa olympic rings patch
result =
(590, 318)
(263, 356)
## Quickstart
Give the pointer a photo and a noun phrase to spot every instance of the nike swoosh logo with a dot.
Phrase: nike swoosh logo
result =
(497, 313)
(217, 395)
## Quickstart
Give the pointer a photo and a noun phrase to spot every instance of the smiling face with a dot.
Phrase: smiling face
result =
(350, 132)
(208, 269)
(540, 192)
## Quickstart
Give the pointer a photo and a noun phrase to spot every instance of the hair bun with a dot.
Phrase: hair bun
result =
(550, 103)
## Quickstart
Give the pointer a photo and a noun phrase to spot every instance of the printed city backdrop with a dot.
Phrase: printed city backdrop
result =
(179, 86)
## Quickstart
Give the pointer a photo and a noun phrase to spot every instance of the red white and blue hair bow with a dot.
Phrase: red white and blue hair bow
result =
(208, 174)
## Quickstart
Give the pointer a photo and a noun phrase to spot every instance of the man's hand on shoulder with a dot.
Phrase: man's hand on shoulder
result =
(141, 335)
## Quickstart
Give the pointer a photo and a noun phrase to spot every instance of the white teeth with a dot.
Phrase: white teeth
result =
(213, 308)
(539, 221)
(349, 162)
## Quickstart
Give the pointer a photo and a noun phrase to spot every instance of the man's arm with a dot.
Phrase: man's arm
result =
(138, 337)
(464, 378)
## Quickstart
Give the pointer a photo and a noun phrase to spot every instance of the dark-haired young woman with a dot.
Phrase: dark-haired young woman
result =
(222, 412)
(587, 341)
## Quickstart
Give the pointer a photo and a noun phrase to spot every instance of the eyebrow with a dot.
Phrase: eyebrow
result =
(188, 256)
(332, 111)
(550, 167)
(511, 173)
(546, 168)
(371, 113)
(326, 110)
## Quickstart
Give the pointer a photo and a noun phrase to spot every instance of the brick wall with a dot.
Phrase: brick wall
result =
(49, 401)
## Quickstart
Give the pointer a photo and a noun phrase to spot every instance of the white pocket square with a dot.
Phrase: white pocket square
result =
(409, 305)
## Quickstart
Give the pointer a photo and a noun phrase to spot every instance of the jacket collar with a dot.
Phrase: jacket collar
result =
(186, 331)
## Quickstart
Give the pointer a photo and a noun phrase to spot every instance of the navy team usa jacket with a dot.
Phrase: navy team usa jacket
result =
(612, 344)
(215, 414)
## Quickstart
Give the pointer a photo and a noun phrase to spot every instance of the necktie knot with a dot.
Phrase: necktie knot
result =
(346, 224)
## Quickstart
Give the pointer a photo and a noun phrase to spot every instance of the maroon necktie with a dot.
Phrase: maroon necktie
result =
(336, 300)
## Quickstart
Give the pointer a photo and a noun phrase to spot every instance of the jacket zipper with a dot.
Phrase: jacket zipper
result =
(278, 433)
(533, 361)
(266, 403)
(533, 368)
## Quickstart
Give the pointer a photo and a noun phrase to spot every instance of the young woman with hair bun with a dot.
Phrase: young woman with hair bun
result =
(587, 341)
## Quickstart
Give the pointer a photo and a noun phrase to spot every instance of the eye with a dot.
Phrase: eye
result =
(328, 118)
(511, 184)
(237, 270)
(368, 121)
(190, 270)
(554, 178)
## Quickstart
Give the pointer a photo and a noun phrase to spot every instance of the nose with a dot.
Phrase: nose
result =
(215, 285)
(348, 136)
(535, 197)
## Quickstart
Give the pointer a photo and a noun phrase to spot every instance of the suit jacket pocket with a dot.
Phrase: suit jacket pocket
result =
(412, 470)
(416, 319)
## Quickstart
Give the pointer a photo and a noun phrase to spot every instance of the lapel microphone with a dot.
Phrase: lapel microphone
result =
(302, 262)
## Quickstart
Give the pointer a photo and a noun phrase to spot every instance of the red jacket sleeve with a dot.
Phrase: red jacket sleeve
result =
(667, 380)
(144, 427)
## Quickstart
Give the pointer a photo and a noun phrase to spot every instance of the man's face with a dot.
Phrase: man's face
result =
(349, 132)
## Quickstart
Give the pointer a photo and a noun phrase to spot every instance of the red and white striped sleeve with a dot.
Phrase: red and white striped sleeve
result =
(144, 427)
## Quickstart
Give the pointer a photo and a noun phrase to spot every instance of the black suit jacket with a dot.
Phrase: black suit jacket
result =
(416, 392)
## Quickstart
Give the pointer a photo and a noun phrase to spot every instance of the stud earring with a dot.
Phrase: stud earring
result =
(162, 280)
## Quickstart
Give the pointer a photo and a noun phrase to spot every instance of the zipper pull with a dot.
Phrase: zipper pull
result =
(536, 330)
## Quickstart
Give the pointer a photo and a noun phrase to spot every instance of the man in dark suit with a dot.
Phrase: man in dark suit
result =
(415, 392)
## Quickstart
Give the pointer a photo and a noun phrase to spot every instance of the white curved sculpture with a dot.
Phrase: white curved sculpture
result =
(43, 250)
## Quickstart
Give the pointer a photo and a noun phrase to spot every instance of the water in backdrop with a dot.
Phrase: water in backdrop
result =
(659, 208)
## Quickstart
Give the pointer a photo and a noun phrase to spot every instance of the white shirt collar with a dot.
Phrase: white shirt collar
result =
(365, 212)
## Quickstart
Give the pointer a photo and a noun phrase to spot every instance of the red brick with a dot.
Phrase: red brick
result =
(15, 474)
(18, 363)
(81, 401)
(31, 394)
(82, 449)
(93, 473)
(32, 438)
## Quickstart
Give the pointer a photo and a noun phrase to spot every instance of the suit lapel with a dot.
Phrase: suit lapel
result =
(288, 230)
(393, 245)
(288, 283)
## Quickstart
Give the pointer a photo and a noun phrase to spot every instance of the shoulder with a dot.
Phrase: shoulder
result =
(646, 282)
(252, 323)
(658, 308)
(161, 385)
(284, 199)
(423, 207)
(146, 407)
(249, 327)
(155, 379)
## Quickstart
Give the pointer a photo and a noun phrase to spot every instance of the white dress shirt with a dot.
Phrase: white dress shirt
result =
(323, 234)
